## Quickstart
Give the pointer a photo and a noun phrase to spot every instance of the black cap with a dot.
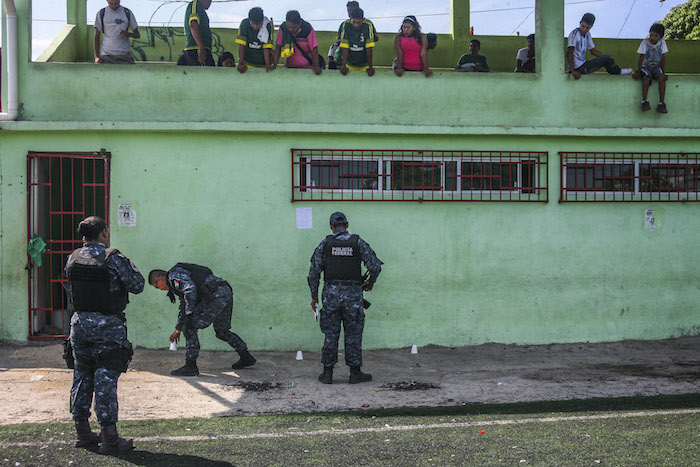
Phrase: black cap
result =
(589, 18)
(338, 218)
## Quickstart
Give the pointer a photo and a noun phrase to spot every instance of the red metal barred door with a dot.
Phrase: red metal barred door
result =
(63, 189)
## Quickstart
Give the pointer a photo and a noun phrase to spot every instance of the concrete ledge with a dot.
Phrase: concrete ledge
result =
(265, 127)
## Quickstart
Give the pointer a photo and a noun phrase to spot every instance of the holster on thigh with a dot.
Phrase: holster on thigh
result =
(117, 359)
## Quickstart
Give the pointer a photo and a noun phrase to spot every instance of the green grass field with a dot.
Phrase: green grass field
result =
(627, 431)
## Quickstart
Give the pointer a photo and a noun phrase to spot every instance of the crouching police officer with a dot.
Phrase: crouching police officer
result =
(340, 257)
(205, 299)
(100, 280)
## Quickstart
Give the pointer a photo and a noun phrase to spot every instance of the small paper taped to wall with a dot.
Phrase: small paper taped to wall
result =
(127, 216)
(304, 218)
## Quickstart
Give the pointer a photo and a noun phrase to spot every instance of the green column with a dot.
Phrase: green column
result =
(549, 42)
(76, 13)
(459, 22)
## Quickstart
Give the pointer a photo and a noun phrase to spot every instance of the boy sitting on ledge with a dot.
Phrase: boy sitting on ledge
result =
(579, 42)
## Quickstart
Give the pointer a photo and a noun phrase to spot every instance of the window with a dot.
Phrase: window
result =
(629, 176)
(400, 175)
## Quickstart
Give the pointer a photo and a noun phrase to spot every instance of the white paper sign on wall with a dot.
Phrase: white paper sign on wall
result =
(127, 216)
(649, 219)
(304, 218)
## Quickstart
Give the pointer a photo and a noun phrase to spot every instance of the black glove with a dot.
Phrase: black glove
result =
(68, 354)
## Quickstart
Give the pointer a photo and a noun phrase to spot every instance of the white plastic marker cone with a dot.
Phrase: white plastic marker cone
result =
(300, 356)
(414, 349)
(173, 346)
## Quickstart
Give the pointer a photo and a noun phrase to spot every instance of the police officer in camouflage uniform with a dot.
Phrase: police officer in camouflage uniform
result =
(205, 299)
(339, 256)
(99, 282)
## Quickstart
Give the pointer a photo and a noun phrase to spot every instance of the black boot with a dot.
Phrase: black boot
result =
(327, 376)
(86, 437)
(246, 360)
(356, 376)
(112, 443)
(190, 369)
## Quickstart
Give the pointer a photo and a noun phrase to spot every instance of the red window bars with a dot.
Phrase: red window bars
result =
(629, 177)
(63, 189)
(400, 175)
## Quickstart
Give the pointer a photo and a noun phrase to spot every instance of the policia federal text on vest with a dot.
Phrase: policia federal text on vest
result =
(342, 260)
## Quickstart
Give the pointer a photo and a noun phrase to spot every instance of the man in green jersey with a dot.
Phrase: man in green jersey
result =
(357, 42)
(473, 61)
(254, 41)
(352, 6)
(198, 35)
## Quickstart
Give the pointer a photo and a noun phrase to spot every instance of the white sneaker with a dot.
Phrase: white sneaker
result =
(626, 71)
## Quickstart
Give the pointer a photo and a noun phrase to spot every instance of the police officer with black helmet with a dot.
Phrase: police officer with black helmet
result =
(100, 280)
(340, 257)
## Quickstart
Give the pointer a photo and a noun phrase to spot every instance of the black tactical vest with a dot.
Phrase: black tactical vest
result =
(89, 280)
(342, 259)
(199, 275)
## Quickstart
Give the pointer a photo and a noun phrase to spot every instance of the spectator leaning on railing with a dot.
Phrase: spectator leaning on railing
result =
(411, 48)
(357, 42)
(255, 41)
(114, 22)
(297, 44)
(335, 53)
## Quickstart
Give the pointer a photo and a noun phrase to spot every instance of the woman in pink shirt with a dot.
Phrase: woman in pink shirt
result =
(411, 48)
(297, 44)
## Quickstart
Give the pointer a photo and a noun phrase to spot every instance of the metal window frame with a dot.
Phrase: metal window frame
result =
(35, 224)
(301, 159)
(637, 159)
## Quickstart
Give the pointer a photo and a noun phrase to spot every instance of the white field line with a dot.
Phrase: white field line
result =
(388, 428)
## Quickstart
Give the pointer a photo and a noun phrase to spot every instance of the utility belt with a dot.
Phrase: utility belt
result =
(118, 314)
(344, 282)
(116, 359)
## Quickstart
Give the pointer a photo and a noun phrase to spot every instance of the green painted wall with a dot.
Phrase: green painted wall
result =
(455, 273)
(204, 155)
(158, 93)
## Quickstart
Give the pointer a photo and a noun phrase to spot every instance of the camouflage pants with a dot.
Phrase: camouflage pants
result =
(217, 312)
(342, 304)
(92, 334)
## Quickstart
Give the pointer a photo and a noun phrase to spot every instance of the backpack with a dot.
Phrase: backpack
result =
(126, 10)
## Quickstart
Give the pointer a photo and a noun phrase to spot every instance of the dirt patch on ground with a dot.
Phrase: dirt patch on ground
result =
(35, 383)
(253, 386)
(409, 386)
